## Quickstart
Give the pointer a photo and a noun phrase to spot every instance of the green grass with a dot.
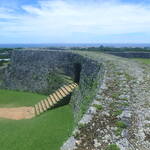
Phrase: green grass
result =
(46, 132)
(117, 112)
(99, 107)
(143, 60)
(15, 99)
(118, 131)
(112, 147)
(121, 124)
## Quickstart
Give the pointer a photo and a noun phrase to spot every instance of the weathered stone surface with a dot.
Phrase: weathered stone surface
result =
(44, 71)
(119, 85)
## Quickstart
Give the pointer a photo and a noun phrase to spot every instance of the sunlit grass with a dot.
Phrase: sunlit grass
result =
(143, 60)
(45, 132)
(10, 98)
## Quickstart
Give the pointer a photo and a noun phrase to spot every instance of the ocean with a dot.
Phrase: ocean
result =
(72, 45)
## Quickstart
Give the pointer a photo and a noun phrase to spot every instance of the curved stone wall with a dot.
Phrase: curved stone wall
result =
(45, 71)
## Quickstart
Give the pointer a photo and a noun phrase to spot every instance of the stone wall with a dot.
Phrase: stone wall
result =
(131, 54)
(2, 71)
(45, 71)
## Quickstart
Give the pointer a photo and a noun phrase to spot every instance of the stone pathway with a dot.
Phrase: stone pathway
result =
(120, 112)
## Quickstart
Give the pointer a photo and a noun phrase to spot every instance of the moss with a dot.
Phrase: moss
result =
(124, 99)
(115, 95)
(125, 104)
(119, 73)
(81, 125)
(112, 147)
(129, 77)
(99, 107)
(117, 112)
(118, 131)
(121, 124)
(88, 94)
(114, 105)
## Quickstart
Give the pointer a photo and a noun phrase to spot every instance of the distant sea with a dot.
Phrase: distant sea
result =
(71, 45)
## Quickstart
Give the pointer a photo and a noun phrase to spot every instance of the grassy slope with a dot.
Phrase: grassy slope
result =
(143, 60)
(46, 132)
(15, 99)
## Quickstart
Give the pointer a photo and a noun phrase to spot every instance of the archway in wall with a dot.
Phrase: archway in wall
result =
(77, 71)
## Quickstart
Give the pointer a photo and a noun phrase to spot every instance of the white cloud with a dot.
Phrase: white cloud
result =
(60, 19)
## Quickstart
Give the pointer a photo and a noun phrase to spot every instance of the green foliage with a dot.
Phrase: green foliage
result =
(115, 95)
(112, 49)
(117, 112)
(89, 93)
(48, 131)
(56, 80)
(99, 107)
(5, 50)
(125, 104)
(118, 131)
(124, 99)
(112, 147)
(121, 124)
(114, 105)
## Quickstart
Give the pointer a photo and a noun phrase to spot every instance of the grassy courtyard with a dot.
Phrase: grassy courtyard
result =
(45, 132)
(143, 60)
(15, 99)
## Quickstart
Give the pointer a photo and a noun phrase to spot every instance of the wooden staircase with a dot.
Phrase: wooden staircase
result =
(54, 98)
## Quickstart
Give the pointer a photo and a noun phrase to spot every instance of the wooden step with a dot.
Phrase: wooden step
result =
(61, 92)
(46, 104)
(59, 95)
(43, 105)
(76, 84)
(56, 97)
(50, 101)
(37, 112)
(64, 90)
(71, 86)
(40, 107)
(68, 88)
(53, 99)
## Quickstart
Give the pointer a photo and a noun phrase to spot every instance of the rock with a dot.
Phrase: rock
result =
(85, 119)
(91, 110)
(125, 114)
(69, 144)
(96, 143)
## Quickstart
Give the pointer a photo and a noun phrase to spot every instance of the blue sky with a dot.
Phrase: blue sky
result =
(74, 21)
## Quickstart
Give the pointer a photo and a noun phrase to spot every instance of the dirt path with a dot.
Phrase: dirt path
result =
(17, 113)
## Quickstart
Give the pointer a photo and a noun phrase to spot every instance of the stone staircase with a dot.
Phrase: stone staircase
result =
(54, 98)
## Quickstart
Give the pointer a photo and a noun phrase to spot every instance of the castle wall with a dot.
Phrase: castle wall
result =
(45, 71)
